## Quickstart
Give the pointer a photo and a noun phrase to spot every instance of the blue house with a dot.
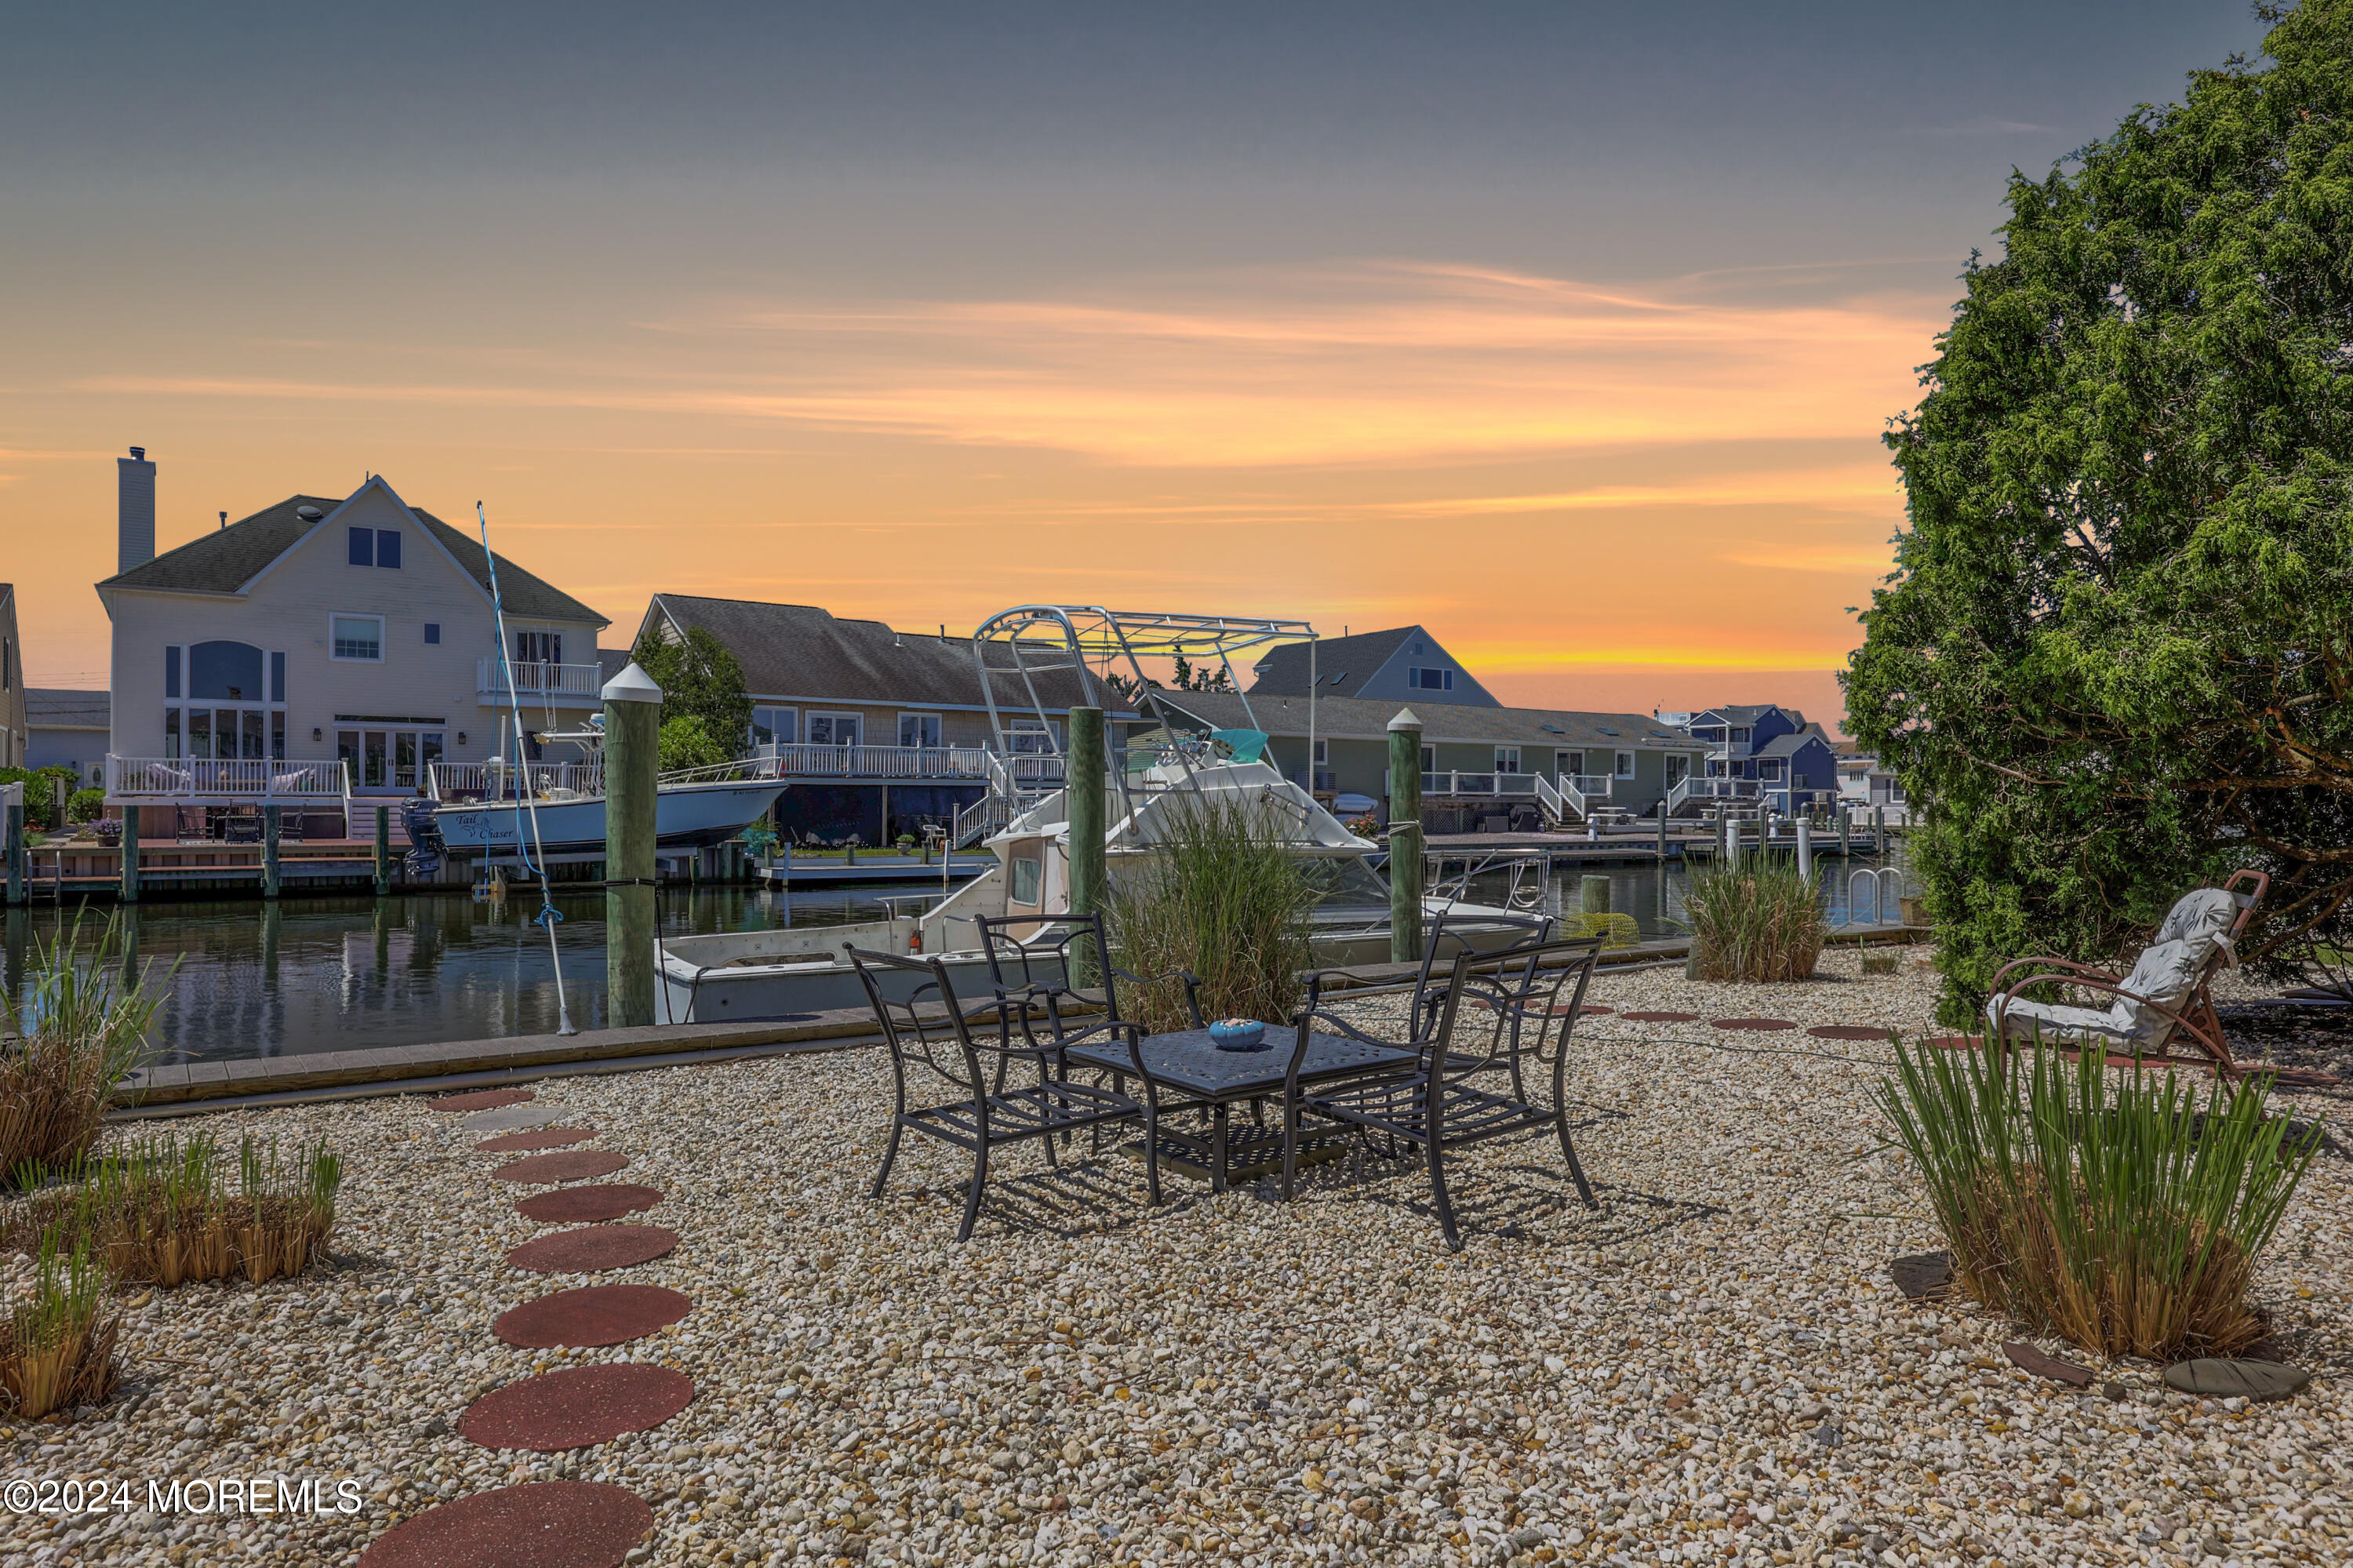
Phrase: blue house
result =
(1402, 664)
(1765, 754)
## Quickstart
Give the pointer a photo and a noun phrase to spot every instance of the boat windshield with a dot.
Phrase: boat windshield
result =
(1344, 884)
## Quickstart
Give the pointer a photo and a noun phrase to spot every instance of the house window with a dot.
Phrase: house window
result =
(1507, 759)
(277, 677)
(432, 633)
(836, 729)
(171, 672)
(919, 729)
(775, 726)
(539, 647)
(1430, 680)
(1323, 753)
(172, 734)
(388, 547)
(362, 547)
(1028, 873)
(1625, 765)
(228, 671)
(1429, 759)
(357, 638)
(1769, 769)
(1034, 737)
(1569, 763)
(1739, 734)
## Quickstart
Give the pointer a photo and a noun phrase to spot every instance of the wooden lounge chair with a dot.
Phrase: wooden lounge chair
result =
(2164, 1009)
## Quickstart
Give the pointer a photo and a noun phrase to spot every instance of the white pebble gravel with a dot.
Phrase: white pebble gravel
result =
(1713, 1368)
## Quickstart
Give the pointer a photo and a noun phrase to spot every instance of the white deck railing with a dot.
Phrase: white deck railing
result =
(508, 781)
(251, 780)
(582, 683)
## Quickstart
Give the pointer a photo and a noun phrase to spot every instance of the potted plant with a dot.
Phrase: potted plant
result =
(108, 831)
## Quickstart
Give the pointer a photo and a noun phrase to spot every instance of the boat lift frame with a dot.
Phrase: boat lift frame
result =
(1043, 638)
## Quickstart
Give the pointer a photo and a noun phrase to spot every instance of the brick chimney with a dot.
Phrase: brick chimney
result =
(134, 510)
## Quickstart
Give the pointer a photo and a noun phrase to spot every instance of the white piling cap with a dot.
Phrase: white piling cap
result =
(1406, 719)
(632, 685)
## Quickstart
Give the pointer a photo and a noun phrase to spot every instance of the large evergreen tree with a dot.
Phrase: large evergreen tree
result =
(2116, 656)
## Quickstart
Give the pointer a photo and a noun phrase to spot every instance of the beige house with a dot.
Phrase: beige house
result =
(319, 646)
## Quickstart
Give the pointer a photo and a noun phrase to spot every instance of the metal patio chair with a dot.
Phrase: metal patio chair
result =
(1451, 937)
(1435, 1104)
(982, 1113)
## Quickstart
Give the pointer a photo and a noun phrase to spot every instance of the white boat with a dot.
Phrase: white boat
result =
(488, 809)
(782, 973)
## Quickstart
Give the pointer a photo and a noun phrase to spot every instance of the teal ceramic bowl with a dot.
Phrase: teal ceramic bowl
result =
(1238, 1034)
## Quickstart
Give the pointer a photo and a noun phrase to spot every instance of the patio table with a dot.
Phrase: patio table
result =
(1189, 1065)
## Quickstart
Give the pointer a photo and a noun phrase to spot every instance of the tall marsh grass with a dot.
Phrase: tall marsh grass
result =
(1223, 898)
(2124, 1215)
(1757, 921)
(81, 1031)
(57, 1347)
(163, 1210)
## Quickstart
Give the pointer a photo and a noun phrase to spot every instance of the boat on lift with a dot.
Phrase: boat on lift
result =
(479, 808)
(1174, 764)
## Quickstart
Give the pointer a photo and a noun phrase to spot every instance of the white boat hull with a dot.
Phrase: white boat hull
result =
(686, 816)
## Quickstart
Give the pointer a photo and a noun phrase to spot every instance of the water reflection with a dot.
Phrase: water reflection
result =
(257, 979)
(260, 979)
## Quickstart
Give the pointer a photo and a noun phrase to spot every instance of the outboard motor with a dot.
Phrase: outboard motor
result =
(426, 848)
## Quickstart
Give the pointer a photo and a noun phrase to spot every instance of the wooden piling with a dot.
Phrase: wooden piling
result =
(382, 850)
(129, 891)
(20, 885)
(1405, 838)
(632, 758)
(270, 826)
(1087, 780)
(1593, 895)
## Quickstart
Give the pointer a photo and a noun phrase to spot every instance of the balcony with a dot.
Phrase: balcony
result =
(223, 781)
(571, 684)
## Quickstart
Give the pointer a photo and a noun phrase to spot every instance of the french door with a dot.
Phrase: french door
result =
(389, 761)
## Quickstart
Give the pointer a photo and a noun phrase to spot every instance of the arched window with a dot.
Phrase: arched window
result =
(226, 671)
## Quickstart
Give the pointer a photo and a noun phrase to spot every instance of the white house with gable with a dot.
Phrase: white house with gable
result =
(321, 647)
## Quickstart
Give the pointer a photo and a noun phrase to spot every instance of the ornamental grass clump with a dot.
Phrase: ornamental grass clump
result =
(2124, 1215)
(1221, 898)
(57, 1347)
(81, 1031)
(163, 1211)
(1756, 921)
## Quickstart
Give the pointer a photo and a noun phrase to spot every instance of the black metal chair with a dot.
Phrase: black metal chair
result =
(1031, 967)
(984, 1114)
(1451, 937)
(1434, 1103)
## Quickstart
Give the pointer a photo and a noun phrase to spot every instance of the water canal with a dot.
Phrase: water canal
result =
(242, 977)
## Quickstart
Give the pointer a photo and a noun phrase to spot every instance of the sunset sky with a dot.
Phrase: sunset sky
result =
(1566, 329)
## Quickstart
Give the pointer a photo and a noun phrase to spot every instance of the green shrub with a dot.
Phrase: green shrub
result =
(39, 791)
(85, 805)
(1756, 921)
(687, 742)
(1219, 897)
(2125, 1216)
(79, 1032)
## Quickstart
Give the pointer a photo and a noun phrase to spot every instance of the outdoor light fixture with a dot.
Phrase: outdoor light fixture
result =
(461, 737)
(317, 734)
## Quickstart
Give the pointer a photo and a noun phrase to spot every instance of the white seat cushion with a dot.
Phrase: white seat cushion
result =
(2200, 919)
(2165, 974)
(2021, 1020)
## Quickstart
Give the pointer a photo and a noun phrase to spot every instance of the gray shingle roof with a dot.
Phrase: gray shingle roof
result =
(1343, 664)
(226, 559)
(1360, 718)
(1790, 744)
(800, 651)
(61, 708)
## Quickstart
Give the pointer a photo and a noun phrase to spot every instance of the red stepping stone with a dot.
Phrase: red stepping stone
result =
(538, 1138)
(594, 1315)
(540, 1168)
(481, 1099)
(546, 1524)
(593, 1248)
(575, 1407)
(1659, 1017)
(1758, 1024)
(580, 1205)
(1845, 1031)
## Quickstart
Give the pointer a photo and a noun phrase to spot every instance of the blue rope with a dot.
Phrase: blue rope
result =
(548, 915)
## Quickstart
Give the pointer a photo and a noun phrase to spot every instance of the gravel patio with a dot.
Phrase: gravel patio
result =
(1715, 1367)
